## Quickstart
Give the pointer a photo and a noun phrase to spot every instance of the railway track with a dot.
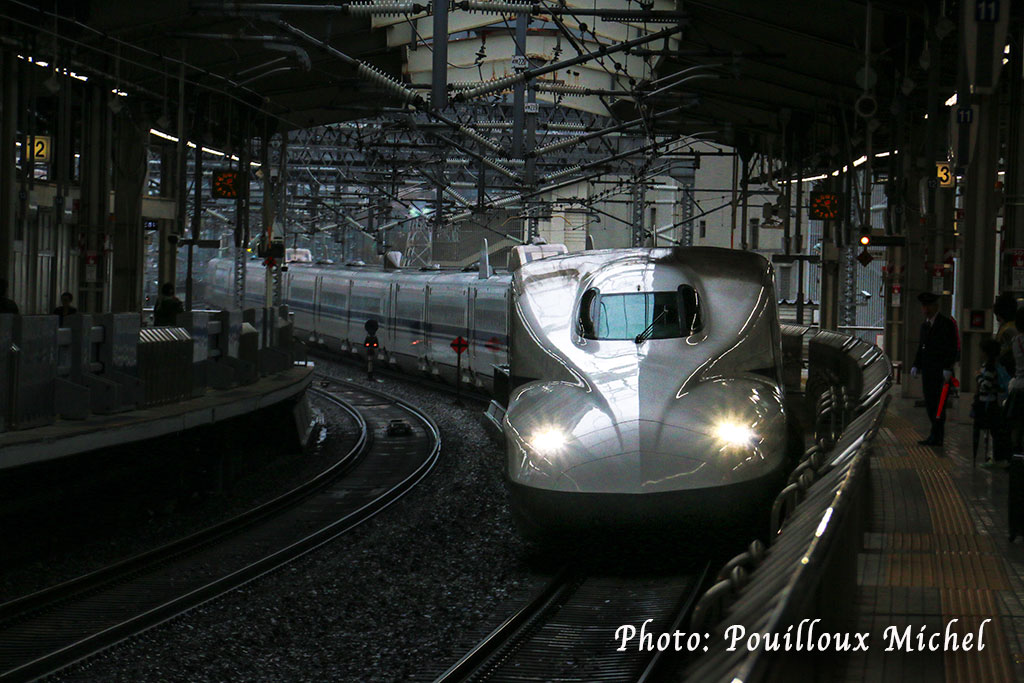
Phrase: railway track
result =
(567, 632)
(54, 628)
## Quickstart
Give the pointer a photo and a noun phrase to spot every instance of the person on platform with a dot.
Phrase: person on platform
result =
(167, 307)
(1005, 308)
(937, 351)
(6, 305)
(1014, 409)
(990, 391)
(65, 307)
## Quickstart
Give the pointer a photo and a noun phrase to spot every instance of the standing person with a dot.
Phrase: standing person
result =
(936, 354)
(6, 305)
(370, 344)
(1005, 308)
(65, 307)
(1014, 409)
(1013, 416)
(167, 307)
(986, 409)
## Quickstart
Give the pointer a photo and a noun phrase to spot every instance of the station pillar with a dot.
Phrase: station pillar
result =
(130, 175)
(1012, 253)
(916, 253)
(8, 152)
(977, 277)
(93, 218)
(167, 249)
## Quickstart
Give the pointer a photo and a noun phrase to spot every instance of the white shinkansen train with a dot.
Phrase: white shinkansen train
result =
(644, 384)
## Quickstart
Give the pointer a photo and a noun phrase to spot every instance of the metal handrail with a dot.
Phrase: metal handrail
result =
(808, 516)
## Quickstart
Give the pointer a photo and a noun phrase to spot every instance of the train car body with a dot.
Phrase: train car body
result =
(647, 389)
(419, 313)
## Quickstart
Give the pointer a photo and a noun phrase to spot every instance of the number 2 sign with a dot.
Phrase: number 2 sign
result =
(40, 147)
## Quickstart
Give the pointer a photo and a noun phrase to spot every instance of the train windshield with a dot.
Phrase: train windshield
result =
(624, 316)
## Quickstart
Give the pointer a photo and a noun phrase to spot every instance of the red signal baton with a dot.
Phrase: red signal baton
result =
(945, 392)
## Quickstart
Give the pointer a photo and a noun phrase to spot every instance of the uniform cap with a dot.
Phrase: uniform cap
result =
(927, 297)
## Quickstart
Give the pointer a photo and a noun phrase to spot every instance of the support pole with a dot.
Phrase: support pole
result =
(197, 213)
(439, 75)
(181, 170)
(519, 90)
(8, 171)
(978, 265)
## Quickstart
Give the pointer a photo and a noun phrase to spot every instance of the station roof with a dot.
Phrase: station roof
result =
(776, 63)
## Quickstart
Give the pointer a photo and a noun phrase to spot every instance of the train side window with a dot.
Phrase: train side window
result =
(690, 304)
(588, 314)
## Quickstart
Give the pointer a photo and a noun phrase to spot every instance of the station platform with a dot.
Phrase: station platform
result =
(936, 548)
(71, 437)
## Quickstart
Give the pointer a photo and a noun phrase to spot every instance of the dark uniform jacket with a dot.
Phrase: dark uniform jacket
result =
(939, 345)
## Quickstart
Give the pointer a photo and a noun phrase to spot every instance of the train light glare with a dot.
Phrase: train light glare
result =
(548, 441)
(734, 434)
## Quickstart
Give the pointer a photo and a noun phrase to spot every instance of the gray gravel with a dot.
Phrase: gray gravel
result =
(399, 598)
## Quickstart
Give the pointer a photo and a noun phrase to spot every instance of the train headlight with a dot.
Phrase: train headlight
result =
(548, 440)
(734, 434)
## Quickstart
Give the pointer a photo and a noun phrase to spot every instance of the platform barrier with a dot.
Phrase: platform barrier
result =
(108, 363)
(809, 569)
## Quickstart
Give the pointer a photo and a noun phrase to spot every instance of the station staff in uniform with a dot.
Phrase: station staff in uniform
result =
(937, 352)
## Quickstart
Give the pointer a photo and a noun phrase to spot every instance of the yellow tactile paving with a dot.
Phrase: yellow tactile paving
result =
(904, 542)
(946, 570)
(955, 557)
(990, 664)
(914, 459)
(945, 504)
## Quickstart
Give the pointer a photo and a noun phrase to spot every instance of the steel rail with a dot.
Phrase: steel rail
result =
(181, 603)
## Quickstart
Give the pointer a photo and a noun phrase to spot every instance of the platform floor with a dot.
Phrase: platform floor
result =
(70, 437)
(936, 549)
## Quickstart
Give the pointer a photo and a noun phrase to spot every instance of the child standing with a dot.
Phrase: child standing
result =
(986, 409)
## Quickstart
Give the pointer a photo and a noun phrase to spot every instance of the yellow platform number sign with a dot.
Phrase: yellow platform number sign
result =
(944, 173)
(40, 147)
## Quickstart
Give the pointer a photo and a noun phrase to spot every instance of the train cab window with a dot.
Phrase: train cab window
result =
(663, 315)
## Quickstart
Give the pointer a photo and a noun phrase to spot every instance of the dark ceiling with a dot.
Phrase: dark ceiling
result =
(786, 71)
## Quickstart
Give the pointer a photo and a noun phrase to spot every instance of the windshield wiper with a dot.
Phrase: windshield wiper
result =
(642, 337)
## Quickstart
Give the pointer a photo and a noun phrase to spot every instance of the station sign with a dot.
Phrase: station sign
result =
(41, 146)
(1015, 258)
(985, 23)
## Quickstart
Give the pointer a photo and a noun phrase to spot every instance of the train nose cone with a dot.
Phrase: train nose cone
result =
(562, 437)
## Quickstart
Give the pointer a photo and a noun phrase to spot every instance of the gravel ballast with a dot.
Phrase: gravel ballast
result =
(399, 598)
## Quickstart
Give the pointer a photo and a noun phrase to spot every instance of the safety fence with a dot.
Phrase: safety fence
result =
(109, 363)
(809, 569)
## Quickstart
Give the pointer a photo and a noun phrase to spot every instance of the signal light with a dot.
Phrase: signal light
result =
(865, 240)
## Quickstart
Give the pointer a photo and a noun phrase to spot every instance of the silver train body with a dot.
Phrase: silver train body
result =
(419, 313)
(648, 389)
(599, 431)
